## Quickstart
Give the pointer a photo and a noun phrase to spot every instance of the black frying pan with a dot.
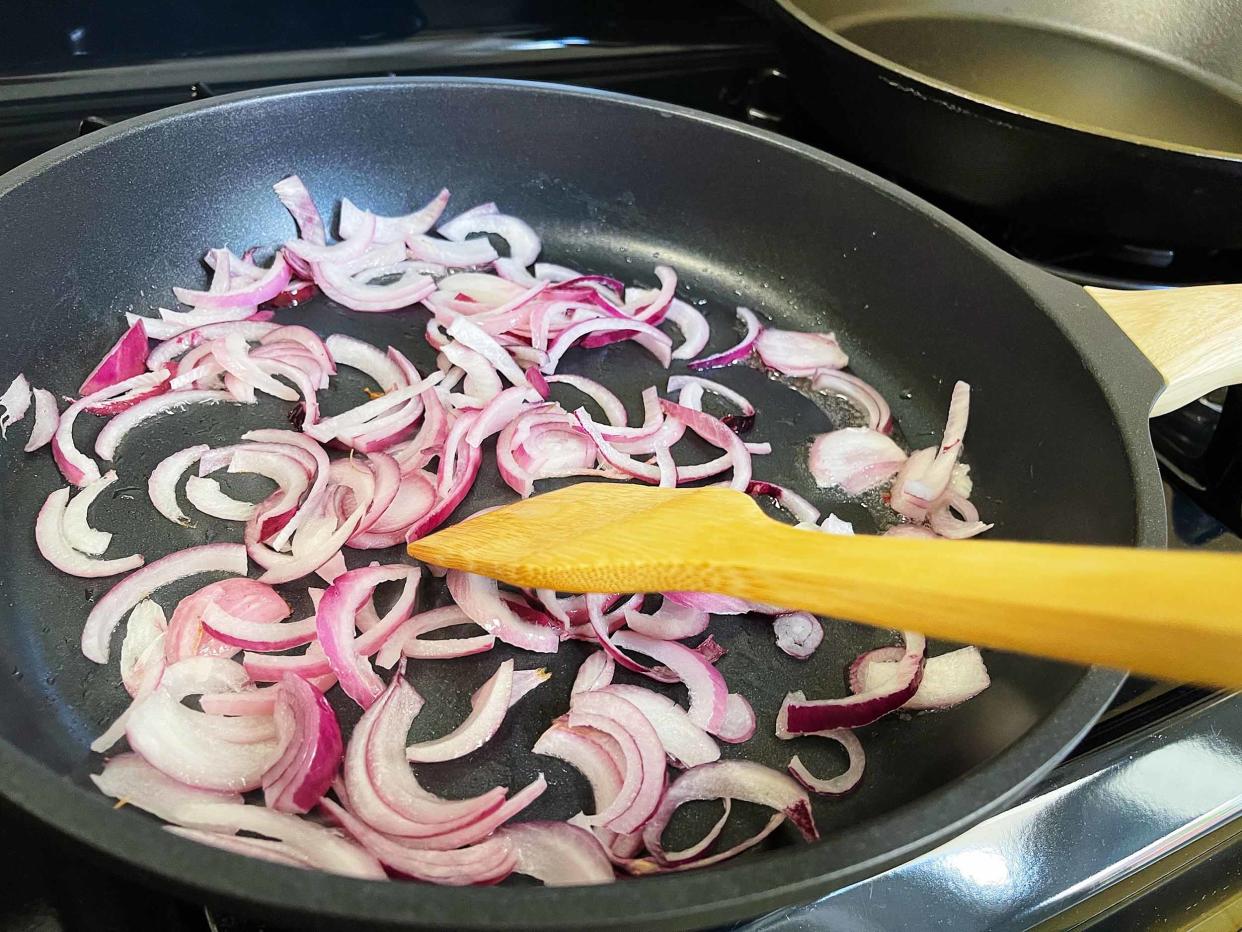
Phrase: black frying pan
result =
(1119, 119)
(1058, 441)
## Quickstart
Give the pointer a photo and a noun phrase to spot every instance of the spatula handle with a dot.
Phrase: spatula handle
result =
(1167, 614)
(1193, 336)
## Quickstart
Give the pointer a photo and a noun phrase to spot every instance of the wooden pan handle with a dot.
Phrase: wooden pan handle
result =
(1193, 336)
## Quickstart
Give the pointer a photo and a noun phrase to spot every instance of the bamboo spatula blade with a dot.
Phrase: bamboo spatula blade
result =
(1167, 614)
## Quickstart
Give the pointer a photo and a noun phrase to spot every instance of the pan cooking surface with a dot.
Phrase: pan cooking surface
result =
(808, 244)
(1071, 77)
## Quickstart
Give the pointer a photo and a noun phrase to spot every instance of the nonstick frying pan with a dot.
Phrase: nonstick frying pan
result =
(1058, 441)
(1112, 118)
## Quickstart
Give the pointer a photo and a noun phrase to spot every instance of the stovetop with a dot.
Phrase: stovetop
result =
(1138, 823)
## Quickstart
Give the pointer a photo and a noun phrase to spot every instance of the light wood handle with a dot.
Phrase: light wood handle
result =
(1163, 613)
(1193, 336)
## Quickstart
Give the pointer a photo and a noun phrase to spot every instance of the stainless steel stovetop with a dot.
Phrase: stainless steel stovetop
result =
(1140, 827)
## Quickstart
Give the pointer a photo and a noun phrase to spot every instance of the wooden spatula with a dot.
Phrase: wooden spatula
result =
(1175, 615)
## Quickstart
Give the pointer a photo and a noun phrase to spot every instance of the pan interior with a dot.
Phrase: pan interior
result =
(806, 244)
(1128, 69)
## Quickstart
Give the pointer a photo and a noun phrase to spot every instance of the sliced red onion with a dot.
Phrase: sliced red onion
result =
(162, 484)
(800, 354)
(465, 254)
(489, 706)
(739, 721)
(708, 693)
(319, 846)
(75, 522)
(843, 782)
(649, 338)
(240, 598)
(395, 229)
(797, 506)
(206, 751)
(442, 648)
(595, 672)
(720, 604)
(643, 782)
(738, 423)
(557, 853)
(297, 200)
(671, 622)
(78, 468)
(264, 849)
(947, 524)
(358, 354)
(109, 610)
(56, 549)
(116, 429)
(855, 459)
(470, 334)
(800, 716)
(930, 483)
(608, 402)
(485, 863)
(649, 472)
(356, 295)
(336, 620)
(479, 597)
(948, 679)
(15, 401)
(256, 635)
(308, 732)
(523, 241)
(685, 743)
(130, 779)
(145, 626)
(861, 394)
(47, 417)
(247, 294)
(798, 634)
(253, 328)
(207, 496)
(741, 350)
(348, 249)
(577, 748)
(733, 779)
(694, 328)
(125, 359)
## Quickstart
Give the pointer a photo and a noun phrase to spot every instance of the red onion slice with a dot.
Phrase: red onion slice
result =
(443, 648)
(685, 743)
(557, 853)
(55, 548)
(855, 459)
(207, 496)
(671, 622)
(264, 849)
(489, 706)
(348, 249)
(843, 782)
(246, 294)
(797, 506)
(948, 679)
(800, 716)
(739, 722)
(466, 254)
(116, 429)
(256, 635)
(356, 295)
(299, 779)
(47, 418)
(798, 634)
(394, 229)
(649, 338)
(734, 779)
(643, 783)
(739, 423)
(162, 484)
(16, 402)
(595, 672)
(75, 523)
(740, 350)
(930, 483)
(947, 524)
(336, 619)
(523, 241)
(125, 359)
(321, 847)
(709, 695)
(800, 354)
(242, 598)
(145, 626)
(297, 200)
(859, 393)
(479, 597)
(109, 610)
(486, 863)
(130, 779)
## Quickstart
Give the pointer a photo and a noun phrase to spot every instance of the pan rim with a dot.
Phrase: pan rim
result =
(685, 900)
(1000, 107)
